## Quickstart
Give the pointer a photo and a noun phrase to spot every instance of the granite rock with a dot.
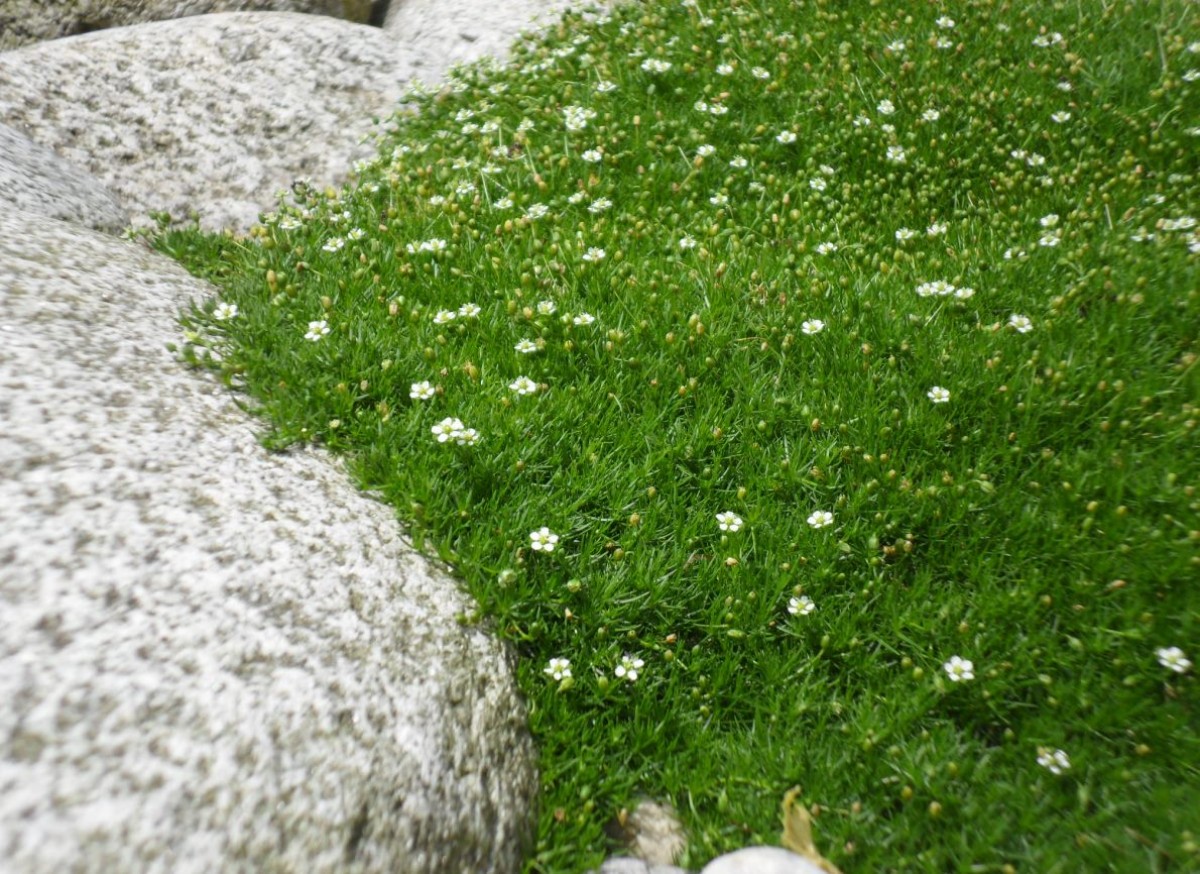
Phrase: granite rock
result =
(459, 32)
(213, 658)
(212, 114)
(34, 179)
(29, 21)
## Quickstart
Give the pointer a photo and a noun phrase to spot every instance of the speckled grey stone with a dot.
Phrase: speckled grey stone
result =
(214, 113)
(34, 179)
(213, 658)
(28, 21)
(450, 32)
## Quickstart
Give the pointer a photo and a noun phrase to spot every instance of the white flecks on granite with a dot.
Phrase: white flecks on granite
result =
(34, 179)
(213, 658)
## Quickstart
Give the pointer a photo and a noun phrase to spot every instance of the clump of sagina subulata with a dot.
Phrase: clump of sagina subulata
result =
(808, 392)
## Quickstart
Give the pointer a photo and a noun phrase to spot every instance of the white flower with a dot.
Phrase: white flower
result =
(826, 248)
(945, 22)
(558, 669)
(444, 316)
(290, 223)
(599, 205)
(936, 288)
(905, 234)
(628, 669)
(526, 347)
(687, 243)
(523, 385)
(1020, 324)
(223, 311)
(583, 320)
(938, 395)
(421, 391)
(655, 65)
(593, 156)
(896, 155)
(575, 118)
(466, 437)
(334, 244)
(931, 115)
(1172, 658)
(958, 669)
(593, 254)
(724, 69)
(542, 540)
(504, 203)
(448, 429)
(786, 137)
(729, 521)
(1059, 118)
(801, 606)
(317, 330)
(862, 121)
(896, 46)
(886, 107)
(760, 73)
(536, 211)
(604, 86)
(820, 519)
(1054, 761)
(812, 326)
(964, 293)
(469, 311)
(718, 200)
(936, 229)
(356, 233)
(546, 307)
(706, 150)
(817, 183)
(739, 163)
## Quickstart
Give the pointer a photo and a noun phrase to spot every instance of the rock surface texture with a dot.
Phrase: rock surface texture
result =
(34, 179)
(213, 658)
(454, 33)
(214, 113)
(29, 21)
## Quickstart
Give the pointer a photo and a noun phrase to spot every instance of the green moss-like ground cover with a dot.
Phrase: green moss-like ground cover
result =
(847, 354)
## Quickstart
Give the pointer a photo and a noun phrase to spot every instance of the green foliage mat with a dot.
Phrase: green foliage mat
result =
(808, 392)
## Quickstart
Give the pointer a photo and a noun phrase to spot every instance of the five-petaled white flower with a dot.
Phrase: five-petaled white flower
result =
(820, 519)
(786, 137)
(523, 385)
(546, 307)
(225, 311)
(526, 347)
(958, 669)
(729, 521)
(801, 605)
(886, 107)
(317, 330)
(1172, 658)
(1019, 323)
(448, 429)
(421, 391)
(558, 669)
(542, 540)
(583, 320)
(442, 317)
(1054, 761)
(938, 395)
(593, 254)
(629, 668)
(469, 311)
(812, 326)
